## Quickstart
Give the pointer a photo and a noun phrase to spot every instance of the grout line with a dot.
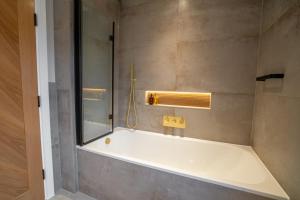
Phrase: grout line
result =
(251, 135)
(284, 14)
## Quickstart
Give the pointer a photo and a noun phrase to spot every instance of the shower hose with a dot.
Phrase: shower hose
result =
(131, 102)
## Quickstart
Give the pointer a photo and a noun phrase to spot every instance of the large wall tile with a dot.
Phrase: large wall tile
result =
(107, 8)
(149, 24)
(276, 139)
(63, 56)
(226, 66)
(273, 10)
(56, 159)
(152, 64)
(194, 7)
(64, 76)
(55, 138)
(130, 3)
(152, 8)
(67, 141)
(229, 120)
(279, 53)
(276, 127)
(213, 20)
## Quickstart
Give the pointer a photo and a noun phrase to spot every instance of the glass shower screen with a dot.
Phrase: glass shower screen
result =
(95, 71)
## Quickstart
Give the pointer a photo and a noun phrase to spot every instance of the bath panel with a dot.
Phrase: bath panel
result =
(140, 163)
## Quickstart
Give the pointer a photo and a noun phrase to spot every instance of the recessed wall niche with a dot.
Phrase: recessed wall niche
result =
(195, 100)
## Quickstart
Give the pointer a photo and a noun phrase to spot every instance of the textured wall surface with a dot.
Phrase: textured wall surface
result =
(55, 138)
(64, 76)
(192, 45)
(105, 178)
(276, 128)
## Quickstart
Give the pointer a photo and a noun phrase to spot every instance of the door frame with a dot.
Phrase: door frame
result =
(45, 57)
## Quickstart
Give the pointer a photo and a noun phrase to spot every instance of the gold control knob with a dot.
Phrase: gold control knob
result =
(174, 122)
(107, 140)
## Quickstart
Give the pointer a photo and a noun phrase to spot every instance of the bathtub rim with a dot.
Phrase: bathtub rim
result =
(177, 172)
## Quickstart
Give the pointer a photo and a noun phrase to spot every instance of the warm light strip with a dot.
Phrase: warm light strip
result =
(175, 92)
(177, 106)
(93, 90)
(91, 99)
(195, 100)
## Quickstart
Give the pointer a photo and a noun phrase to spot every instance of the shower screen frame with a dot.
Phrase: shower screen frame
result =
(78, 75)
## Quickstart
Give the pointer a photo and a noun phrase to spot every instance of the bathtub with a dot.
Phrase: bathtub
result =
(227, 165)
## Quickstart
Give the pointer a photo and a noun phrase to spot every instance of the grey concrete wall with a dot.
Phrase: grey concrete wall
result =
(105, 178)
(64, 76)
(50, 40)
(276, 127)
(55, 138)
(192, 45)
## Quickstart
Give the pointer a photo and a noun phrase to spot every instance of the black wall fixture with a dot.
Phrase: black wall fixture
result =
(270, 76)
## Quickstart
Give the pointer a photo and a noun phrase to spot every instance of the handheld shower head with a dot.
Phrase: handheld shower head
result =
(131, 102)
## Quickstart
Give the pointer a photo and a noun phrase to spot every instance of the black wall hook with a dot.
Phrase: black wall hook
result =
(269, 76)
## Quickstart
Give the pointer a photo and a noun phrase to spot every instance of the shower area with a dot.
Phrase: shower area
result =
(95, 36)
(178, 99)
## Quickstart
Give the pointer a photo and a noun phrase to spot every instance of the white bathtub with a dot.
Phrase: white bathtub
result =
(228, 165)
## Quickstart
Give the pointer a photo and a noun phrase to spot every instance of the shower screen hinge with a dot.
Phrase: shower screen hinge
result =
(35, 21)
(39, 101)
(111, 38)
(110, 116)
(43, 174)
